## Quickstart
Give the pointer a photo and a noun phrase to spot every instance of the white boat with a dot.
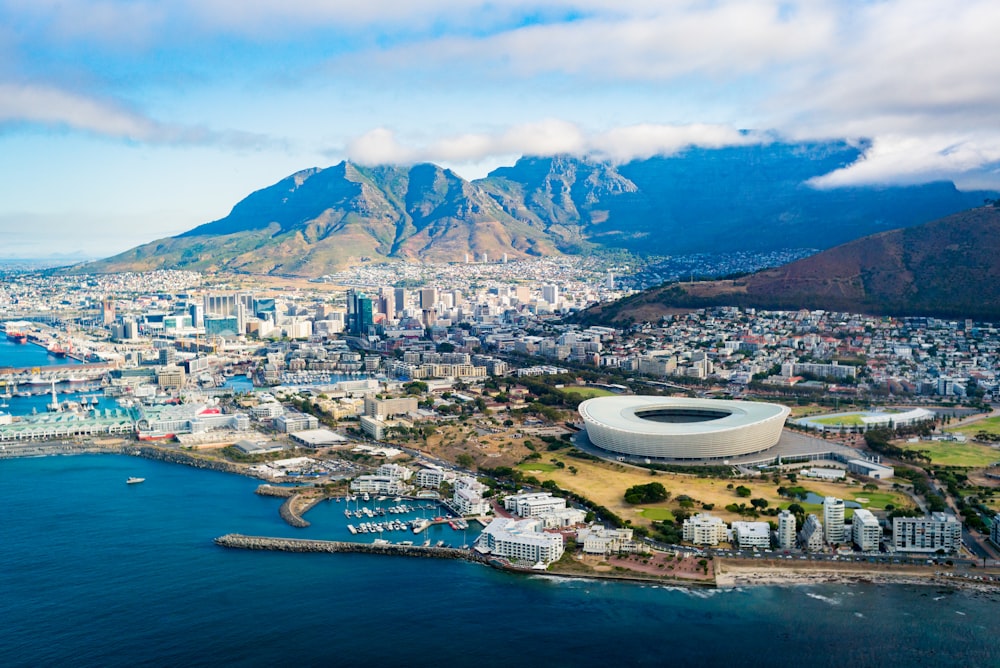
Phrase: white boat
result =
(133, 480)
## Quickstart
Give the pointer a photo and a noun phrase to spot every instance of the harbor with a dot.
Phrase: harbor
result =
(369, 519)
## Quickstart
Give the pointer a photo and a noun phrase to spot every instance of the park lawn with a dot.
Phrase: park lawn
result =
(605, 483)
(658, 514)
(587, 392)
(946, 453)
(846, 420)
(537, 467)
(990, 425)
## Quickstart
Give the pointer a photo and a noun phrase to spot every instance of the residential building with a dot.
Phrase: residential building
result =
(866, 531)
(752, 535)
(430, 478)
(811, 536)
(926, 534)
(521, 540)
(377, 484)
(395, 471)
(531, 505)
(786, 530)
(468, 497)
(833, 520)
(598, 539)
(704, 529)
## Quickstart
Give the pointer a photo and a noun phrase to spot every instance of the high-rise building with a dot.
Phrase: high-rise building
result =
(866, 531)
(786, 530)
(360, 313)
(926, 534)
(428, 298)
(197, 313)
(833, 520)
(108, 311)
(550, 293)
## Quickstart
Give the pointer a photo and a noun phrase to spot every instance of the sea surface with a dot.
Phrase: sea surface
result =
(94, 572)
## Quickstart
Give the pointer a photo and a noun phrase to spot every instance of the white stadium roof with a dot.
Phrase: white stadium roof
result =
(682, 428)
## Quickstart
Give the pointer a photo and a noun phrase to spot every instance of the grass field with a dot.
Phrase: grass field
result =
(989, 425)
(587, 392)
(658, 514)
(968, 455)
(605, 484)
(846, 420)
(537, 467)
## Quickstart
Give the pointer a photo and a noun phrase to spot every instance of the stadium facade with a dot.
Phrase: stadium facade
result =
(676, 428)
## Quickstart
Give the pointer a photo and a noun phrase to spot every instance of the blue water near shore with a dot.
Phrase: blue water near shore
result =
(29, 355)
(94, 572)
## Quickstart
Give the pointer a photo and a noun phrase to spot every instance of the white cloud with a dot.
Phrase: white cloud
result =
(549, 137)
(46, 105)
(971, 163)
(53, 107)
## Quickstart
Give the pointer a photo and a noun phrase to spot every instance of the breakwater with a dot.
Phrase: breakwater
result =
(242, 542)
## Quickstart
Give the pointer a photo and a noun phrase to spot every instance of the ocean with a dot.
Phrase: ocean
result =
(94, 572)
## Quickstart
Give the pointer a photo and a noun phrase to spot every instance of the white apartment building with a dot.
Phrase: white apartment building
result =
(533, 504)
(430, 478)
(377, 484)
(926, 534)
(752, 535)
(395, 471)
(601, 540)
(786, 530)
(704, 529)
(468, 497)
(866, 531)
(811, 536)
(566, 517)
(521, 540)
(833, 520)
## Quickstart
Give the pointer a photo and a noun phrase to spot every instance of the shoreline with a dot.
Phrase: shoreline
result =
(729, 574)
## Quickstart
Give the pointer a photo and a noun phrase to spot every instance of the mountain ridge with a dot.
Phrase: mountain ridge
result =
(754, 198)
(945, 268)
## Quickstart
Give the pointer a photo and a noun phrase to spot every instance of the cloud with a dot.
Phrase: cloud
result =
(901, 160)
(549, 137)
(52, 107)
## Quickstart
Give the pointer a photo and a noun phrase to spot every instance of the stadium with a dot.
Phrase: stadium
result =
(674, 428)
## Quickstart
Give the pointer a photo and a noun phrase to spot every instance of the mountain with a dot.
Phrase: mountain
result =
(743, 198)
(946, 268)
(319, 220)
(748, 198)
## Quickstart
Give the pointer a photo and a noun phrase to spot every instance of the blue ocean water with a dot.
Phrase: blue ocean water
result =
(94, 572)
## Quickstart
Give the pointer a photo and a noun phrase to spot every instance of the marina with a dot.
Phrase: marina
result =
(393, 519)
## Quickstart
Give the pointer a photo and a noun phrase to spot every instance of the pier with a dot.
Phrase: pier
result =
(242, 542)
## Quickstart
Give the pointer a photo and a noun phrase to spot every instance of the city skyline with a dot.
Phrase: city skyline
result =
(126, 122)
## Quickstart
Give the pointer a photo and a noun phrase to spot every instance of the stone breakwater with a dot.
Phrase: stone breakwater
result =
(242, 542)
(289, 513)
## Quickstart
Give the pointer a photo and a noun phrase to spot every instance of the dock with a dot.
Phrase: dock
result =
(242, 542)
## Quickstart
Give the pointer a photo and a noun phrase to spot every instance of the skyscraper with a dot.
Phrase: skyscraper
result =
(786, 530)
(833, 520)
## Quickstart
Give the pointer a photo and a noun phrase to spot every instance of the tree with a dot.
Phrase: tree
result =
(465, 460)
(760, 504)
(653, 492)
(743, 491)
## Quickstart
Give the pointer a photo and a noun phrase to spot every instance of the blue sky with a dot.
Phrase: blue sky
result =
(126, 121)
